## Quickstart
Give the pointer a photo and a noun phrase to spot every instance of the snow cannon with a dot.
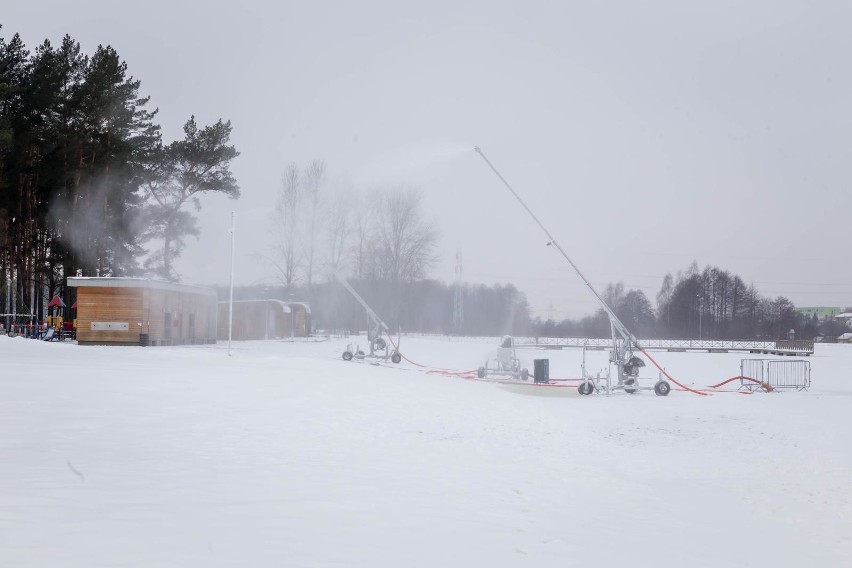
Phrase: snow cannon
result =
(379, 348)
(632, 366)
(504, 364)
(622, 360)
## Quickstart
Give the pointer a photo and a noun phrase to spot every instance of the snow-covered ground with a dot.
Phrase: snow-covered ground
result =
(285, 455)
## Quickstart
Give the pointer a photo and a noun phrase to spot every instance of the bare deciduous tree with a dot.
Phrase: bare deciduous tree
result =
(405, 242)
(361, 245)
(338, 229)
(314, 178)
(285, 226)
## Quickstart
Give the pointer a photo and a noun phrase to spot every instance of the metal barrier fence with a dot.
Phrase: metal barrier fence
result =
(777, 374)
(785, 347)
(788, 374)
(753, 369)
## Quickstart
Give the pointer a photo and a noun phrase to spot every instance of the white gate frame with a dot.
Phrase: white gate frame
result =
(776, 373)
(786, 374)
(752, 369)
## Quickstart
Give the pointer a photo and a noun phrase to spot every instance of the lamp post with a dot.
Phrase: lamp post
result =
(231, 294)
(698, 296)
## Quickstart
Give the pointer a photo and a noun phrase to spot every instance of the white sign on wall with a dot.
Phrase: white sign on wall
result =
(110, 326)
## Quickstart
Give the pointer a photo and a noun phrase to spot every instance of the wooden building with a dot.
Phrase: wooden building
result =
(265, 319)
(301, 314)
(138, 311)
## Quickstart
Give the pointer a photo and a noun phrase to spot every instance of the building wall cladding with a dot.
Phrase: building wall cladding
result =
(145, 312)
(109, 305)
(264, 319)
(255, 319)
(179, 318)
(301, 319)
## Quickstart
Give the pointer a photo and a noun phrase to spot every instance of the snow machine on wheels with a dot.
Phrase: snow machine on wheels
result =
(622, 356)
(379, 347)
(504, 363)
(627, 365)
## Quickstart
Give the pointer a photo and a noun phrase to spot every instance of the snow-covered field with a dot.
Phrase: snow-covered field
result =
(285, 455)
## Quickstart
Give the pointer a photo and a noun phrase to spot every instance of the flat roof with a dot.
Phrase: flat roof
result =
(122, 282)
(284, 305)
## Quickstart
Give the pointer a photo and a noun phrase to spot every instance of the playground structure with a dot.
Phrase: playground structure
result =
(53, 328)
(379, 348)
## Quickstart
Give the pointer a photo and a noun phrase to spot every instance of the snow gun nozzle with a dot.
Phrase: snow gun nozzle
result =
(476, 148)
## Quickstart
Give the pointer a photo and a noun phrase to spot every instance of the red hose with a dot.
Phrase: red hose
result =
(669, 377)
(718, 391)
(466, 374)
(436, 369)
(763, 385)
(395, 348)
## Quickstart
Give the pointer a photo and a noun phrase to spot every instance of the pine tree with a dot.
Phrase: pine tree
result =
(183, 170)
(119, 139)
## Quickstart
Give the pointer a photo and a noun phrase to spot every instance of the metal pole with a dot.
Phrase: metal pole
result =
(231, 298)
(32, 292)
(700, 334)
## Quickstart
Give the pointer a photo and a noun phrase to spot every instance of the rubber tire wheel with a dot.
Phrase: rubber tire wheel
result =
(396, 357)
(630, 386)
(525, 375)
(662, 388)
(480, 372)
(347, 355)
(586, 388)
(379, 344)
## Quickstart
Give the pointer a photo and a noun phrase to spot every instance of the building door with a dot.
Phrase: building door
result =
(167, 327)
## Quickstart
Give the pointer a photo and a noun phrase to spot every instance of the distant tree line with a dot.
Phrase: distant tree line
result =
(709, 304)
(86, 183)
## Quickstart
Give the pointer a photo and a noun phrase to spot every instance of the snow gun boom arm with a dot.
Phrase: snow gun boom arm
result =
(373, 315)
(616, 323)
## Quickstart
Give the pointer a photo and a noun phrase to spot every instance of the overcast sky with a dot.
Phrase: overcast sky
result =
(645, 135)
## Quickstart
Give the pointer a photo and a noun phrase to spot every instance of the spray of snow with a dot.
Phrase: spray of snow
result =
(404, 164)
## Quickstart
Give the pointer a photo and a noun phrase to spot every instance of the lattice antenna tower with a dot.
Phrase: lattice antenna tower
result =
(458, 299)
